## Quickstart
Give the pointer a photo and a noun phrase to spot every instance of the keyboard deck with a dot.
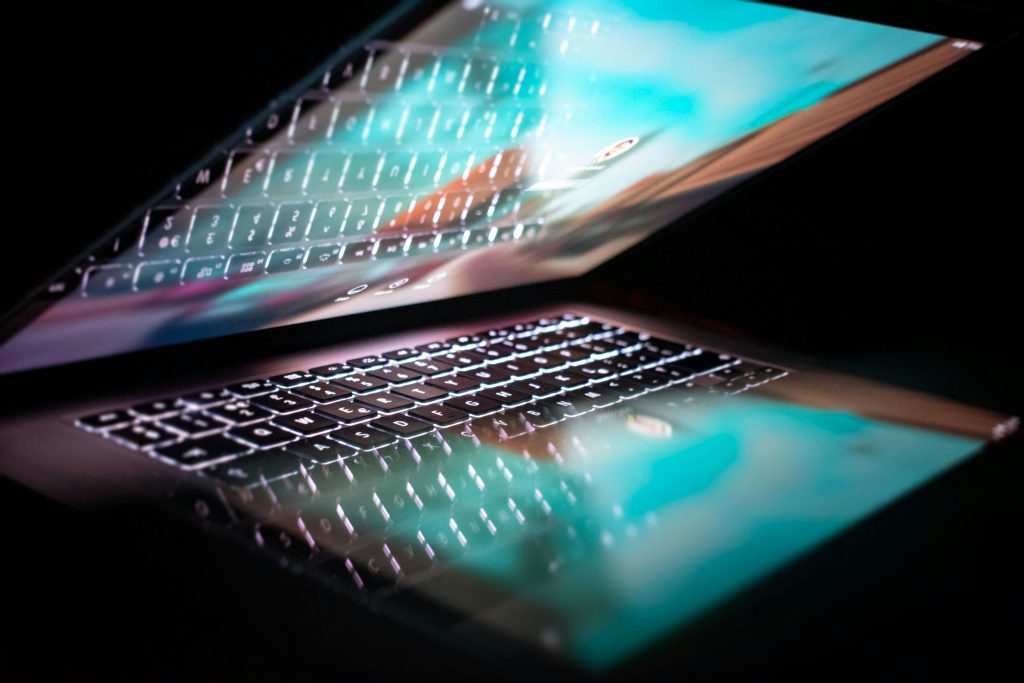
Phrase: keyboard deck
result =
(392, 472)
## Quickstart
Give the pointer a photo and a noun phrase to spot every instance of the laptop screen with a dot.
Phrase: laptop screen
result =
(495, 144)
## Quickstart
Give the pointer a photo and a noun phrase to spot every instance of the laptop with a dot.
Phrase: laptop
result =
(348, 339)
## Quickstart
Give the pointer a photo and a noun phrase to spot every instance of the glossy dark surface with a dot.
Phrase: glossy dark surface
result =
(483, 147)
(951, 604)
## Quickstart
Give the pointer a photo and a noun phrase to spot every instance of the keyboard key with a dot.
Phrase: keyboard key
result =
(433, 347)
(506, 396)
(394, 169)
(156, 274)
(401, 354)
(666, 349)
(520, 346)
(567, 379)
(261, 436)
(391, 247)
(471, 358)
(246, 265)
(673, 373)
(209, 176)
(253, 387)
(157, 408)
(144, 435)
(192, 424)
(515, 368)
(292, 379)
(280, 402)
(626, 340)
(571, 354)
(207, 397)
(367, 362)
(357, 252)
(285, 260)
(210, 228)
(423, 393)
(363, 437)
(346, 412)
(384, 402)
(269, 125)
(252, 226)
(402, 425)
(287, 173)
(239, 413)
(325, 173)
(203, 268)
(620, 364)
(598, 347)
(107, 420)
(649, 379)
(455, 384)
(440, 415)
(488, 376)
(202, 452)
(459, 359)
(290, 222)
(730, 372)
(323, 255)
(328, 217)
(596, 371)
(429, 368)
(381, 74)
(105, 280)
(642, 357)
(332, 370)
(305, 424)
(362, 384)
(323, 392)
(395, 374)
(492, 354)
(320, 449)
(165, 231)
(539, 387)
(361, 171)
(474, 405)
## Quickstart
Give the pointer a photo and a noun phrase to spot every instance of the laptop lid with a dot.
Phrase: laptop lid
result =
(478, 147)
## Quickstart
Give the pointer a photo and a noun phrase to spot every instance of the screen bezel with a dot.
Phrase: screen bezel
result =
(943, 19)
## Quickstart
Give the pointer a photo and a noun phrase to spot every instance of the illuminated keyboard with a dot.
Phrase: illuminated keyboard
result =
(364, 450)
(511, 381)
(404, 150)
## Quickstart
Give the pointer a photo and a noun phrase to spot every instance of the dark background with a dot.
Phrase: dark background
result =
(892, 253)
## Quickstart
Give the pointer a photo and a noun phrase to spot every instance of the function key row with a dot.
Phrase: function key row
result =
(121, 278)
